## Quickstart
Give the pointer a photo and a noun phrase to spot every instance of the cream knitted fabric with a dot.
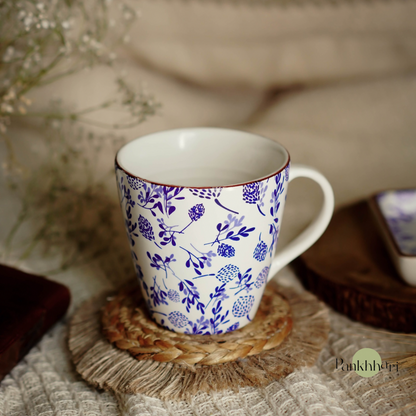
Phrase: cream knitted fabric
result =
(45, 384)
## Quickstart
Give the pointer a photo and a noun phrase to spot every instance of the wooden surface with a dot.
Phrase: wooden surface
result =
(350, 269)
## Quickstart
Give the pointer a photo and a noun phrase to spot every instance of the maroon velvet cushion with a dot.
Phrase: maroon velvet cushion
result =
(29, 306)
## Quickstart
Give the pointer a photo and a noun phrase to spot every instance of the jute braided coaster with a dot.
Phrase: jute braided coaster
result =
(127, 325)
(116, 346)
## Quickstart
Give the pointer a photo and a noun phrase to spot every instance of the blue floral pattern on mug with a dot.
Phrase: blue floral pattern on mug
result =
(260, 251)
(134, 183)
(178, 319)
(225, 250)
(145, 228)
(174, 296)
(262, 278)
(254, 193)
(202, 255)
(242, 306)
(196, 212)
(228, 273)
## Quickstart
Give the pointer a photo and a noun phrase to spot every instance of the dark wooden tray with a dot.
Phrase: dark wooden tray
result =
(350, 269)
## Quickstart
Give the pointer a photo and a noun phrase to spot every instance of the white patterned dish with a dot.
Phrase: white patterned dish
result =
(396, 215)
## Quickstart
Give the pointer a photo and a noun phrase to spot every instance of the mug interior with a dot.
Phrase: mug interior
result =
(202, 157)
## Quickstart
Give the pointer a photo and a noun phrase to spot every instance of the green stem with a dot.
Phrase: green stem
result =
(97, 107)
(41, 74)
(70, 116)
(19, 221)
(59, 76)
(33, 243)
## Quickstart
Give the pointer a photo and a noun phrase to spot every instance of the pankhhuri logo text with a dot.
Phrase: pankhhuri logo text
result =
(366, 363)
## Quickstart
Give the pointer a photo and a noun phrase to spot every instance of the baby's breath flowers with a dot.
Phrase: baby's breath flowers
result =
(44, 41)
(64, 201)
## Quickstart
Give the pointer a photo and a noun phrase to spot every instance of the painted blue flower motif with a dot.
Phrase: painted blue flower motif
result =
(251, 193)
(225, 250)
(228, 273)
(173, 295)
(135, 183)
(233, 327)
(242, 306)
(196, 212)
(262, 278)
(260, 251)
(178, 319)
(146, 228)
(254, 193)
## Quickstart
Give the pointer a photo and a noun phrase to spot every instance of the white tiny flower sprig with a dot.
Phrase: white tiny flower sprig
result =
(72, 215)
(44, 41)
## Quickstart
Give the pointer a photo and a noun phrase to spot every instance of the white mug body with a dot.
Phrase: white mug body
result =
(203, 209)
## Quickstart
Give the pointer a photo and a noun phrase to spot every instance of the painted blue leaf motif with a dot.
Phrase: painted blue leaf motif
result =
(251, 193)
(206, 193)
(171, 210)
(178, 319)
(198, 327)
(212, 193)
(139, 272)
(262, 278)
(225, 250)
(275, 206)
(217, 297)
(242, 306)
(157, 198)
(260, 251)
(228, 273)
(157, 294)
(244, 231)
(173, 295)
(287, 173)
(230, 227)
(233, 327)
(243, 282)
(146, 228)
(196, 212)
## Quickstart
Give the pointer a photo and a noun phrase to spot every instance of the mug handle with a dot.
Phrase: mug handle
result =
(303, 241)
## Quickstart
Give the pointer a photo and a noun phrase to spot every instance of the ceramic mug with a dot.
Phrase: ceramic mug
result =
(203, 209)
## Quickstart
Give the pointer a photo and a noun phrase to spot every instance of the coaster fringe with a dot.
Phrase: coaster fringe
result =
(107, 367)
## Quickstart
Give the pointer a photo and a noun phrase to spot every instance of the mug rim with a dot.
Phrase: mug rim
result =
(268, 176)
